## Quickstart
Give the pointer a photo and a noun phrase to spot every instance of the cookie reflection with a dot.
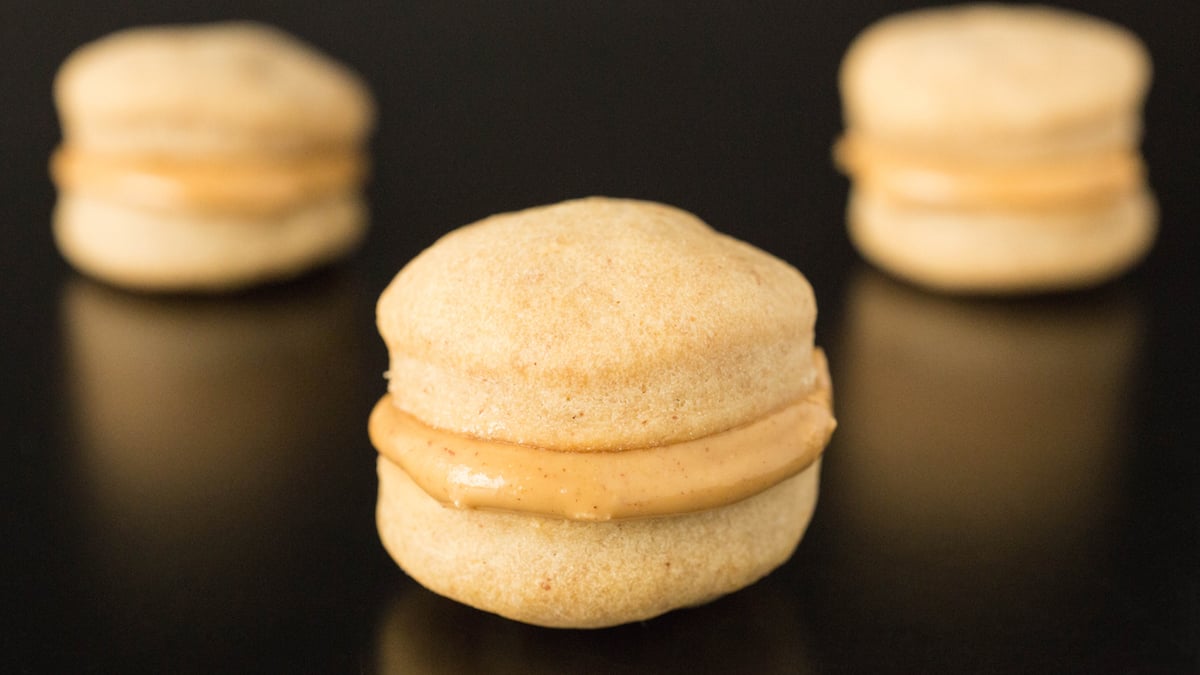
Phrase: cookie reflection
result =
(979, 454)
(204, 430)
(756, 630)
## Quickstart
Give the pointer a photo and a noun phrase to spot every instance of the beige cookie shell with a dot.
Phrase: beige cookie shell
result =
(171, 251)
(1001, 250)
(572, 574)
(1006, 79)
(596, 324)
(222, 88)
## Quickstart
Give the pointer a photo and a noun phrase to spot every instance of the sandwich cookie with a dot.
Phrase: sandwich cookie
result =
(208, 157)
(597, 411)
(994, 148)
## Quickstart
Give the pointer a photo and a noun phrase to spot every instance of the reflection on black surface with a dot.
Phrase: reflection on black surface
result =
(756, 630)
(975, 485)
(211, 442)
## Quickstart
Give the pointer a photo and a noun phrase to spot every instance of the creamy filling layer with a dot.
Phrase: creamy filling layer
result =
(927, 179)
(694, 475)
(249, 185)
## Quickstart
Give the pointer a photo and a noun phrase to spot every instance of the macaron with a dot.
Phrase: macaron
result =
(598, 411)
(994, 148)
(208, 157)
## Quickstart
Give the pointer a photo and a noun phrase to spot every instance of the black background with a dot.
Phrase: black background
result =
(188, 486)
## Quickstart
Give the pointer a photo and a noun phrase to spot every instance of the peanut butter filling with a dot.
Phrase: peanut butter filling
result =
(242, 185)
(1076, 180)
(694, 475)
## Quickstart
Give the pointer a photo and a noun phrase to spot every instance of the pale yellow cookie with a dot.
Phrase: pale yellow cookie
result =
(208, 89)
(1002, 250)
(993, 148)
(175, 251)
(575, 574)
(990, 79)
(208, 157)
(598, 411)
(573, 310)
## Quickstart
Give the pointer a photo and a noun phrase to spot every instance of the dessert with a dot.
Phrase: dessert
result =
(597, 411)
(993, 148)
(207, 157)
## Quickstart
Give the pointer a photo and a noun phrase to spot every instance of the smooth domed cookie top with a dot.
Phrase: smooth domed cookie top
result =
(596, 324)
(991, 70)
(221, 83)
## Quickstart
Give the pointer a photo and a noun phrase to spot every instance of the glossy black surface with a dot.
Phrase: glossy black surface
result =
(188, 485)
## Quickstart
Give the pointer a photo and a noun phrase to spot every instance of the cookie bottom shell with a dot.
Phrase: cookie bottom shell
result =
(574, 574)
(1003, 251)
(185, 251)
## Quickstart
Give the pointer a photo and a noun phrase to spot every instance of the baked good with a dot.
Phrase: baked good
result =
(207, 157)
(597, 411)
(993, 148)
